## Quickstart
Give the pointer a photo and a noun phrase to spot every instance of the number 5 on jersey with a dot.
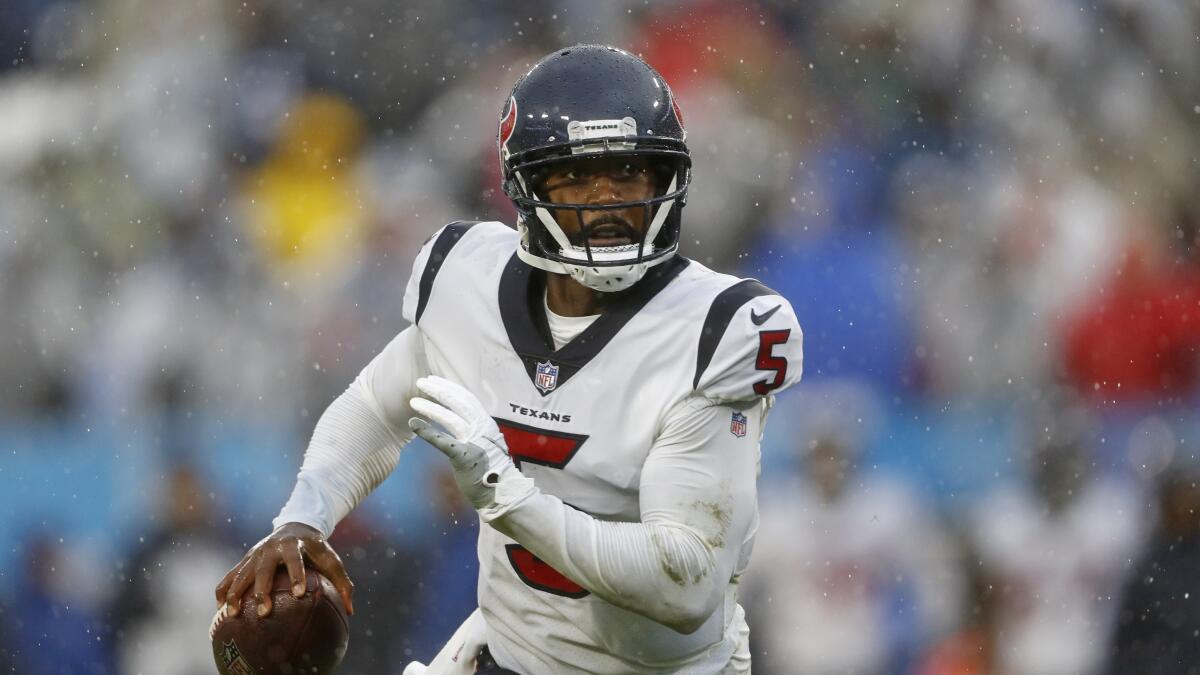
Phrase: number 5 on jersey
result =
(767, 360)
(552, 449)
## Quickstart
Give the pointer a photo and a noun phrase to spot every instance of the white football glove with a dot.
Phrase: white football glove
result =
(474, 446)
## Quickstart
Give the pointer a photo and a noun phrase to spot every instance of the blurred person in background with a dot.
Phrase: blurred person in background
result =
(159, 617)
(971, 648)
(1058, 549)
(52, 630)
(1006, 254)
(1139, 340)
(304, 203)
(850, 571)
(1159, 617)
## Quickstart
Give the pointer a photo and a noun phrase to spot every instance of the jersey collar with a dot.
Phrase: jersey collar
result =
(521, 289)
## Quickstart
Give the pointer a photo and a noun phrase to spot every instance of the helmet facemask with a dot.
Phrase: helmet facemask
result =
(545, 243)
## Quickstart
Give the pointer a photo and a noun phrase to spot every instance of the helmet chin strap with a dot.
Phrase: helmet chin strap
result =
(609, 279)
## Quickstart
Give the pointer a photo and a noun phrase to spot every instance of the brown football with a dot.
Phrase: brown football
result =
(301, 636)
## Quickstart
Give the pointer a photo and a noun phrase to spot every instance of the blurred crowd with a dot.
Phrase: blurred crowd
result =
(983, 211)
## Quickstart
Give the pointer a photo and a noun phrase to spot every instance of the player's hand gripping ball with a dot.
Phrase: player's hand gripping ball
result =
(301, 636)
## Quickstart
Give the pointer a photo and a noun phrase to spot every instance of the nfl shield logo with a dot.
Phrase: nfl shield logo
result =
(232, 658)
(737, 426)
(547, 376)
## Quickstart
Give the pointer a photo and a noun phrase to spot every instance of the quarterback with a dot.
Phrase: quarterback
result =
(600, 398)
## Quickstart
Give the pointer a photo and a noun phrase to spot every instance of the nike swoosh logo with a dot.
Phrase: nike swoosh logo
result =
(760, 319)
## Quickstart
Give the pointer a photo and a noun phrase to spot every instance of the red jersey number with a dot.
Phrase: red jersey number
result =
(551, 449)
(767, 360)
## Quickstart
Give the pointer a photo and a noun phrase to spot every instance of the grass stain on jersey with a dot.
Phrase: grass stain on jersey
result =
(718, 514)
(674, 565)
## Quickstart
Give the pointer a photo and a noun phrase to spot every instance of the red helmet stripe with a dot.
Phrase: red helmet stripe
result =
(509, 123)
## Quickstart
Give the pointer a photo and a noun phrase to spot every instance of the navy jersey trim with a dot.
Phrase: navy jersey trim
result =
(524, 316)
(437, 255)
(720, 313)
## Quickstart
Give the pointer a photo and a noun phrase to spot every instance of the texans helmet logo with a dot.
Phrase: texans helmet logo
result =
(507, 126)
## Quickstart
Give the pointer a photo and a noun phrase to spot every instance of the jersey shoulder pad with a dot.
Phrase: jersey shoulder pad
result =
(465, 239)
(751, 344)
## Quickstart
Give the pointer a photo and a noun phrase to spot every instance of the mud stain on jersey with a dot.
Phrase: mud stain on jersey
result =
(717, 515)
(673, 564)
(673, 574)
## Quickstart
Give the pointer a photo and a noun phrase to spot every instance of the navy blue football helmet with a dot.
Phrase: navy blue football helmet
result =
(593, 101)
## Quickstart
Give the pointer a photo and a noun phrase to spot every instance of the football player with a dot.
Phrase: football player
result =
(1060, 547)
(600, 398)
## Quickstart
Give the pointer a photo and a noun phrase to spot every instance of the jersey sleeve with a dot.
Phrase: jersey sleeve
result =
(357, 440)
(750, 346)
(426, 267)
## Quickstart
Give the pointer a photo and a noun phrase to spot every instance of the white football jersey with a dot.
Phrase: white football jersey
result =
(581, 420)
(825, 575)
(1061, 574)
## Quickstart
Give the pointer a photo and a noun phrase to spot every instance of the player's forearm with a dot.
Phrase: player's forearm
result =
(665, 572)
(352, 451)
(357, 441)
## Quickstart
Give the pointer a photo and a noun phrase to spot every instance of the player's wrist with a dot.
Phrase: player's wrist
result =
(298, 529)
(510, 489)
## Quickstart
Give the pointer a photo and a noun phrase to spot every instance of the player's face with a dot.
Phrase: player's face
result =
(602, 180)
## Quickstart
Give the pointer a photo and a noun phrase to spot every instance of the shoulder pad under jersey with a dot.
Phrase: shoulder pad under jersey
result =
(750, 346)
(436, 251)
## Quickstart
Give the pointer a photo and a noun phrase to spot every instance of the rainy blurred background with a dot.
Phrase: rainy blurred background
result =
(985, 213)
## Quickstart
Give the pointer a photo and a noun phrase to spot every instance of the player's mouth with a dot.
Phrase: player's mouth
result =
(610, 231)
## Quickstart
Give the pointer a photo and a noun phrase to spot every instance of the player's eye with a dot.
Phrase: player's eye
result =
(563, 178)
(629, 171)
(567, 177)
